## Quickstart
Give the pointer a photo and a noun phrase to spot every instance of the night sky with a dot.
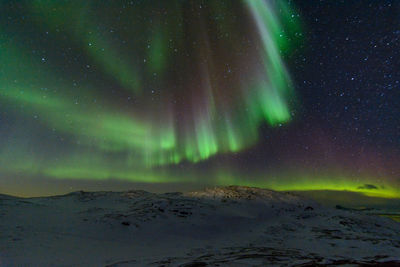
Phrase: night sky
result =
(178, 95)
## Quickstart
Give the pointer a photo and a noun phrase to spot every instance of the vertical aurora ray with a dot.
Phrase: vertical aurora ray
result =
(273, 92)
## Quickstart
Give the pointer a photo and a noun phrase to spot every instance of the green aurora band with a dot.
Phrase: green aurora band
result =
(157, 139)
(181, 109)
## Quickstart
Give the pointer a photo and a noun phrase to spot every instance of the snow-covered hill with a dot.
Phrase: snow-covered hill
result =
(227, 226)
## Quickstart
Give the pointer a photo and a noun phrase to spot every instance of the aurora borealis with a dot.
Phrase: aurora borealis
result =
(192, 93)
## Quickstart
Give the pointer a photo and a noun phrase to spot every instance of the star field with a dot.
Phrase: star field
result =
(289, 95)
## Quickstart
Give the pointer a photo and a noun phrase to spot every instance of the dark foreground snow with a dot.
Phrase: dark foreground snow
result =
(230, 226)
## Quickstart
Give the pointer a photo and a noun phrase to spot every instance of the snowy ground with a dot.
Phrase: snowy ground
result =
(230, 226)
